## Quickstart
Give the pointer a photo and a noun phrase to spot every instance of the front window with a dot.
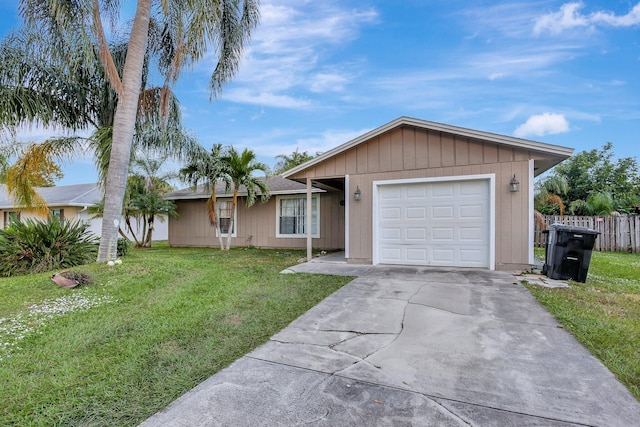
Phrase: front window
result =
(57, 212)
(225, 213)
(292, 216)
(10, 217)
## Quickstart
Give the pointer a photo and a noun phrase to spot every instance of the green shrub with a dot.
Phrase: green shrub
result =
(34, 246)
(123, 246)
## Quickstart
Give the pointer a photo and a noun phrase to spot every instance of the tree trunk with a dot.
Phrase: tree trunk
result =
(151, 226)
(234, 205)
(127, 221)
(123, 129)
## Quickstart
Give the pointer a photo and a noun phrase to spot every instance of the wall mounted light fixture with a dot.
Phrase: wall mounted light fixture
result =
(357, 195)
(514, 185)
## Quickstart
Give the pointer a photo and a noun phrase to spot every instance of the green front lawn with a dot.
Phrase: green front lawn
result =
(118, 350)
(604, 313)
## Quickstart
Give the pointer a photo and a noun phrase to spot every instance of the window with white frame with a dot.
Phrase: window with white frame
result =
(225, 213)
(57, 212)
(11, 216)
(291, 216)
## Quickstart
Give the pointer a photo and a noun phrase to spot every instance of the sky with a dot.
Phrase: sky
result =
(320, 73)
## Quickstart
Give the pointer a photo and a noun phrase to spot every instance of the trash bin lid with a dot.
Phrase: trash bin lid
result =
(573, 229)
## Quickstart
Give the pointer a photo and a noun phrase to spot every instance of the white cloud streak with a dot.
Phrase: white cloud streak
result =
(570, 17)
(542, 124)
(285, 62)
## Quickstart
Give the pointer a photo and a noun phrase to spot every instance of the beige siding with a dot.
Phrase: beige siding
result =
(70, 213)
(256, 226)
(408, 152)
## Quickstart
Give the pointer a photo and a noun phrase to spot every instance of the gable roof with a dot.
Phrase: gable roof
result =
(277, 186)
(64, 195)
(552, 150)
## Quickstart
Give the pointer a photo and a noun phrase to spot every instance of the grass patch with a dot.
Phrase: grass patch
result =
(118, 350)
(604, 313)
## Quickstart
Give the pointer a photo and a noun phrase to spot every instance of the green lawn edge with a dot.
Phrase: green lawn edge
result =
(603, 313)
(166, 319)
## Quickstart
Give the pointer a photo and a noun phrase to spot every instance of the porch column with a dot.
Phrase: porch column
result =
(308, 214)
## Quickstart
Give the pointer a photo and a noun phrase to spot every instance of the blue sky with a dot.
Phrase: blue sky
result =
(319, 73)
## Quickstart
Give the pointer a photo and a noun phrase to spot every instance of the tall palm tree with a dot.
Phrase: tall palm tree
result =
(208, 168)
(191, 29)
(241, 169)
(153, 134)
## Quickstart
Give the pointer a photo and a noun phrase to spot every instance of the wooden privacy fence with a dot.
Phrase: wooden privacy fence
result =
(617, 233)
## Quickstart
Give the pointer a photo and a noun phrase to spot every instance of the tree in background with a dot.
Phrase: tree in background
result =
(145, 188)
(287, 162)
(143, 202)
(596, 184)
(208, 168)
(240, 170)
(548, 195)
(186, 30)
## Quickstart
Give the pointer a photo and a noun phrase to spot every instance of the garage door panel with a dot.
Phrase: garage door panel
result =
(443, 233)
(440, 224)
(419, 234)
(391, 254)
(416, 255)
(474, 258)
(442, 190)
(472, 188)
(416, 191)
(470, 234)
(472, 212)
(443, 256)
(389, 233)
(442, 212)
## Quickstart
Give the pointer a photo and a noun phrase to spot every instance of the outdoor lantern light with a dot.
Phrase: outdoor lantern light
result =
(514, 185)
(357, 194)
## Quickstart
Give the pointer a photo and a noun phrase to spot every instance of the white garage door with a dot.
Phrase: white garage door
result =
(434, 223)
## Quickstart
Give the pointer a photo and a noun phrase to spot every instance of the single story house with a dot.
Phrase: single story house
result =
(69, 202)
(411, 192)
(278, 223)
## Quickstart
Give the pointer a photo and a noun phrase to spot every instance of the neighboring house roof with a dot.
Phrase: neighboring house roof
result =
(277, 186)
(63, 195)
(553, 150)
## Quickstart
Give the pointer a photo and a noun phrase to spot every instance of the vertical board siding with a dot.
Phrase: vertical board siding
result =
(411, 152)
(435, 149)
(255, 226)
(617, 233)
(409, 148)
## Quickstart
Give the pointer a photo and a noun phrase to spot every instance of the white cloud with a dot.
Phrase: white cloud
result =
(542, 124)
(266, 98)
(286, 141)
(630, 19)
(289, 51)
(569, 16)
(328, 82)
(329, 139)
(556, 22)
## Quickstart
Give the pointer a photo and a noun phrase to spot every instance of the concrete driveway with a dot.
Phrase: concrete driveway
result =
(414, 346)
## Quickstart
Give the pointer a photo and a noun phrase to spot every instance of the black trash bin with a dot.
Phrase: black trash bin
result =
(568, 252)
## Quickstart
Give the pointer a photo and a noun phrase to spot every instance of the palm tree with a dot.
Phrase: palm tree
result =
(188, 30)
(143, 202)
(287, 162)
(549, 192)
(145, 189)
(153, 135)
(241, 169)
(208, 168)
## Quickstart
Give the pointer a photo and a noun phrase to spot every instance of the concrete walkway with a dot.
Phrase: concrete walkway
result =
(413, 346)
